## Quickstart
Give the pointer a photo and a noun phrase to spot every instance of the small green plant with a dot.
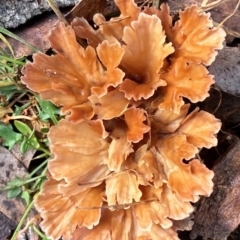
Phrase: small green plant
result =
(25, 120)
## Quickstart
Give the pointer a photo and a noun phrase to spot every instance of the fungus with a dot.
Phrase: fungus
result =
(125, 158)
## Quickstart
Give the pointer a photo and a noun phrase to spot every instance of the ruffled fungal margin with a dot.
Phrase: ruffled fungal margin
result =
(125, 158)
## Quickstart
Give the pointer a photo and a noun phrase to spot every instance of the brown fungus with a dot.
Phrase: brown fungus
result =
(124, 162)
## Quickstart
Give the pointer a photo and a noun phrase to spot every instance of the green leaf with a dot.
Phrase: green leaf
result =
(6, 68)
(25, 195)
(23, 128)
(48, 110)
(29, 139)
(15, 182)
(24, 145)
(28, 143)
(8, 90)
(33, 142)
(14, 192)
(12, 60)
(10, 138)
(19, 110)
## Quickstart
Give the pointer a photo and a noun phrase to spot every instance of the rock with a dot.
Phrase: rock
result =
(226, 69)
(11, 210)
(14, 12)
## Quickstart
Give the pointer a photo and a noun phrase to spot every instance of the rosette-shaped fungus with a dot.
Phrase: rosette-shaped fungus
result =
(125, 158)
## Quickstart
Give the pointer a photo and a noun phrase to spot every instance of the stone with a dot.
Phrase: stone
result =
(15, 12)
(226, 69)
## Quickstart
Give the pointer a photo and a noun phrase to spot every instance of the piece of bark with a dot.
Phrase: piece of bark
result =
(14, 12)
(88, 8)
(219, 215)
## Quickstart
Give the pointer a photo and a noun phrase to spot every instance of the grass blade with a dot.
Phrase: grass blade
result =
(7, 44)
(12, 35)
